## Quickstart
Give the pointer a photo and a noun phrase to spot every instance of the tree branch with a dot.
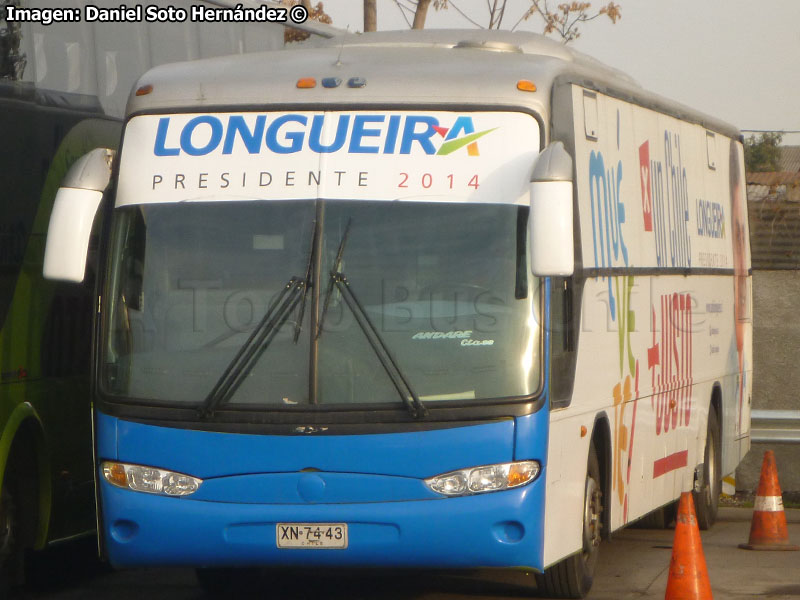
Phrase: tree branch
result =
(402, 10)
(465, 15)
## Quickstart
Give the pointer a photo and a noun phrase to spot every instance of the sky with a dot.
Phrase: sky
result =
(738, 60)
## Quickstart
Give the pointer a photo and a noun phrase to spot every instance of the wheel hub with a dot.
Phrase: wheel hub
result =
(592, 512)
(712, 471)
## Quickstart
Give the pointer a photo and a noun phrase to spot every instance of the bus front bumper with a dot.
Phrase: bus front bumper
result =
(500, 529)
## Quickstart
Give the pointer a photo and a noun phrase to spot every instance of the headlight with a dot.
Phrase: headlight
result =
(149, 479)
(488, 478)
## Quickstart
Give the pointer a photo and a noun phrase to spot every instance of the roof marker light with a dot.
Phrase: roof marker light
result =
(331, 82)
(525, 85)
(356, 82)
(144, 90)
(306, 83)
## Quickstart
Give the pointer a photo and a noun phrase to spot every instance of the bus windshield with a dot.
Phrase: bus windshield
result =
(446, 285)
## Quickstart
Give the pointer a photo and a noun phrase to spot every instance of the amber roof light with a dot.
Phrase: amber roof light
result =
(305, 83)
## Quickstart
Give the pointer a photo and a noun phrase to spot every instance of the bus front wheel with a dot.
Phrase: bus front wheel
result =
(573, 576)
(706, 500)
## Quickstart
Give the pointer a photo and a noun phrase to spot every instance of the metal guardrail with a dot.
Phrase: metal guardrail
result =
(775, 426)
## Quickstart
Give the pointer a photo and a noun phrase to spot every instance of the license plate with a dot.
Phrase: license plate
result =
(311, 535)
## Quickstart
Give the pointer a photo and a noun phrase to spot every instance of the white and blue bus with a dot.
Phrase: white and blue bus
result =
(428, 299)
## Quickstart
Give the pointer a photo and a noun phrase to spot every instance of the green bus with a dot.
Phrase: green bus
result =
(45, 329)
(63, 91)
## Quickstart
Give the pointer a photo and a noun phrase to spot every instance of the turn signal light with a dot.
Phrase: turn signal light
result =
(115, 473)
(525, 85)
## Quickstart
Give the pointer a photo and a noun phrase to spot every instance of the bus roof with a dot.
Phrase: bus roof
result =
(432, 68)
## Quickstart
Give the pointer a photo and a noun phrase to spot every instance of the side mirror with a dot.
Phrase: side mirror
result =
(74, 209)
(551, 228)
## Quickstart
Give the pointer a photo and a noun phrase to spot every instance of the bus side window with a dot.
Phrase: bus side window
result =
(565, 296)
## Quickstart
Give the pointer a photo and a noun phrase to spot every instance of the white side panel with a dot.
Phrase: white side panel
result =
(566, 472)
(653, 345)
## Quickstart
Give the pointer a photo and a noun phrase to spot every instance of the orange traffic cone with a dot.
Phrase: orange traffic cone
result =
(688, 576)
(768, 530)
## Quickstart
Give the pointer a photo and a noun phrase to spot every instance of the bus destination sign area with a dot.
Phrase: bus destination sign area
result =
(375, 155)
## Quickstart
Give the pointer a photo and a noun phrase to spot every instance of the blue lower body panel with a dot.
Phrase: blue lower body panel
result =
(373, 483)
(501, 529)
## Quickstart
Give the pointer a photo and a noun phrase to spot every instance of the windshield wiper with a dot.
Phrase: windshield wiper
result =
(338, 279)
(309, 272)
(247, 356)
(337, 265)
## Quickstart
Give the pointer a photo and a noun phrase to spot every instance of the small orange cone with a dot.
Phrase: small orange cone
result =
(688, 576)
(768, 530)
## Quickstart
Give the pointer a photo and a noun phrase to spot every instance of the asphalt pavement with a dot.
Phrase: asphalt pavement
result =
(634, 564)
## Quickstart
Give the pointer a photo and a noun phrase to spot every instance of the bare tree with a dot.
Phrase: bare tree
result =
(415, 12)
(497, 10)
(562, 20)
(565, 18)
(315, 13)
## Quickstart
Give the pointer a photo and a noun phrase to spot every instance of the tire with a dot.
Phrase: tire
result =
(573, 576)
(12, 552)
(706, 501)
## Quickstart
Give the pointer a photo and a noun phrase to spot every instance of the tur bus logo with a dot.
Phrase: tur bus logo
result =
(292, 133)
